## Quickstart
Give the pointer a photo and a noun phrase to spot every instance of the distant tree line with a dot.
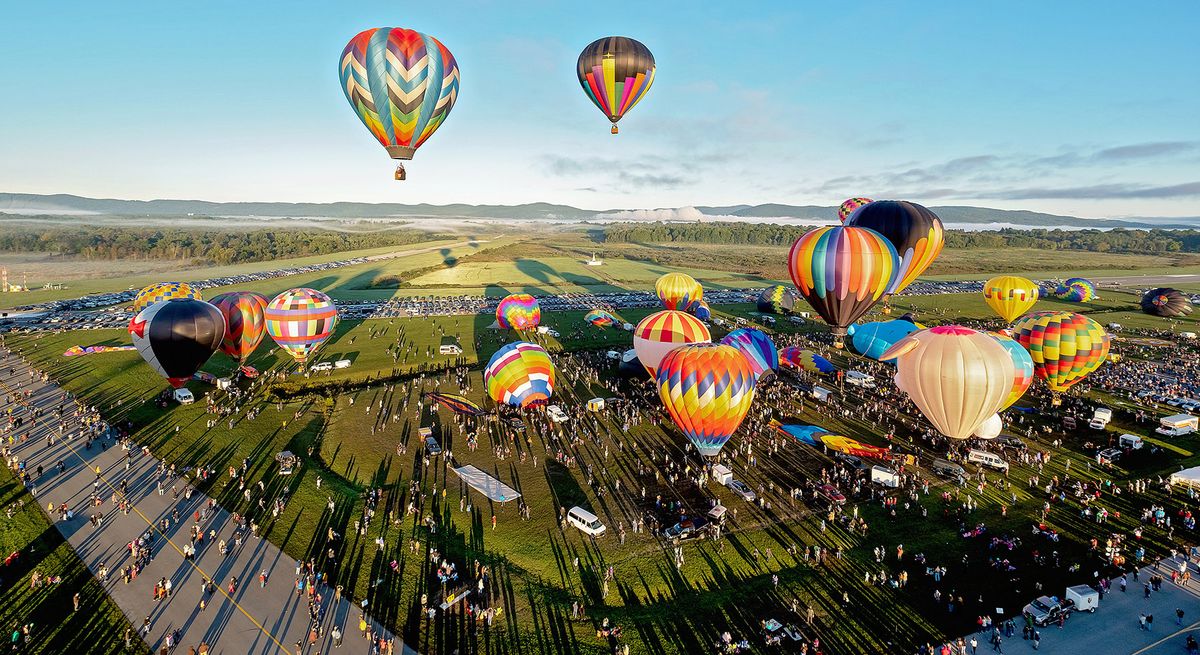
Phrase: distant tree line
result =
(1118, 240)
(200, 245)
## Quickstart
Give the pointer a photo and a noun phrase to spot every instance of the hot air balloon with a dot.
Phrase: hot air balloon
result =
(707, 388)
(520, 374)
(990, 428)
(842, 272)
(615, 73)
(700, 310)
(806, 360)
(874, 339)
(956, 376)
(631, 366)
(678, 290)
(163, 291)
(660, 333)
(757, 348)
(1022, 364)
(601, 318)
(1010, 295)
(1076, 289)
(177, 336)
(402, 85)
(456, 403)
(848, 206)
(777, 300)
(518, 311)
(915, 232)
(300, 321)
(1065, 346)
(245, 322)
(1167, 303)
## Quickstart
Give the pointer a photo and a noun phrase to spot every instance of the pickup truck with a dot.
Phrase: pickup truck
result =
(687, 529)
(1046, 610)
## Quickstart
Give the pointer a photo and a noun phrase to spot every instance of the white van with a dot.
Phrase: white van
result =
(184, 397)
(342, 363)
(990, 460)
(587, 522)
(556, 414)
(1131, 441)
(860, 379)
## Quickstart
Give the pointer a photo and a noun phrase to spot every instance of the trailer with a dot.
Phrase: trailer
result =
(1084, 598)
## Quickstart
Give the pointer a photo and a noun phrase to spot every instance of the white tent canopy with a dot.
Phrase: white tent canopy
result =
(1189, 477)
(486, 484)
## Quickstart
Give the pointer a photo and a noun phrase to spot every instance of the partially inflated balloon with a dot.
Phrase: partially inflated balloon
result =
(849, 206)
(177, 336)
(916, 233)
(300, 321)
(1010, 295)
(956, 376)
(700, 310)
(658, 334)
(402, 85)
(1065, 346)
(757, 348)
(615, 73)
(163, 291)
(678, 290)
(520, 374)
(1076, 289)
(518, 311)
(777, 300)
(1167, 303)
(601, 318)
(707, 389)
(990, 428)
(1022, 365)
(806, 360)
(874, 339)
(245, 322)
(842, 272)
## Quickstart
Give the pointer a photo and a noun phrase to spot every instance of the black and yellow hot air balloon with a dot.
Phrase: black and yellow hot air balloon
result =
(615, 72)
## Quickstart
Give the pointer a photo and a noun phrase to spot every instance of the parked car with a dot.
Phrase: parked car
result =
(1046, 610)
(587, 522)
(687, 529)
(741, 489)
(831, 494)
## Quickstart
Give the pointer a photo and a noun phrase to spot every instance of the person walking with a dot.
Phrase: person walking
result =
(1149, 622)
(1037, 640)
(1178, 613)
(1142, 621)
(76, 601)
(336, 633)
(974, 645)
(996, 641)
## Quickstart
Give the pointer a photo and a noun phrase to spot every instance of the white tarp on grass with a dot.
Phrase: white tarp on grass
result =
(486, 484)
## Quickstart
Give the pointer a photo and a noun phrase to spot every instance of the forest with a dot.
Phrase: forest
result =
(1119, 240)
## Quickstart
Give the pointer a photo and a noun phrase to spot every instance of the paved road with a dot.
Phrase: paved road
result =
(1114, 628)
(1149, 280)
(262, 620)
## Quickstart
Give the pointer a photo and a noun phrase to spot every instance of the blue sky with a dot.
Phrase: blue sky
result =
(1087, 108)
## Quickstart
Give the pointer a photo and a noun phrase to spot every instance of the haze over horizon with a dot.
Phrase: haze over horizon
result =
(1052, 108)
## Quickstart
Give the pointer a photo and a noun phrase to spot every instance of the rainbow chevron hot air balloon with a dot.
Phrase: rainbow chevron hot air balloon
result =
(842, 272)
(245, 322)
(707, 388)
(806, 360)
(520, 374)
(777, 300)
(300, 321)
(1076, 289)
(678, 291)
(615, 73)
(163, 291)
(1065, 346)
(518, 311)
(757, 348)
(660, 333)
(402, 85)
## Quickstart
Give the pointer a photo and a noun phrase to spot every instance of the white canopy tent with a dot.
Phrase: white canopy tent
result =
(1188, 477)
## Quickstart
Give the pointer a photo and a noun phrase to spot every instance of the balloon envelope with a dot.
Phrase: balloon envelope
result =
(245, 322)
(915, 232)
(678, 290)
(402, 85)
(615, 73)
(660, 333)
(874, 339)
(777, 300)
(1076, 289)
(518, 311)
(807, 360)
(163, 291)
(757, 348)
(300, 321)
(1022, 365)
(700, 310)
(601, 318)
(842, 272)
(956, 376)
(1010, 295)
(177, 336)
(990, 428)
(1167, 303)
(707, 389)
(1065, 346)
(520, 374)
(848, 206)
